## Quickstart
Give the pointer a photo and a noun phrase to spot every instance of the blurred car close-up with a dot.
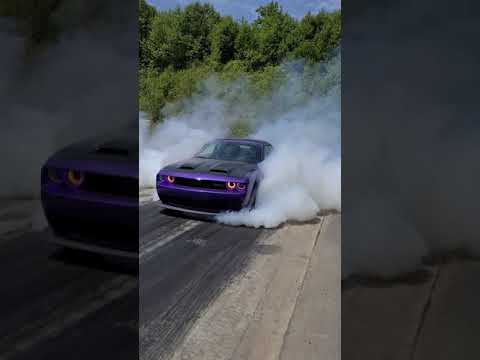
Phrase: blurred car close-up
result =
(89, 195)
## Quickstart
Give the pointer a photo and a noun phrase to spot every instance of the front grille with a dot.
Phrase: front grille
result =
(110, 185)
(203, 184)
(210, 205)
(101, 224)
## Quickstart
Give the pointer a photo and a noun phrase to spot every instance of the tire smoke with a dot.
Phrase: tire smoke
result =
(303, 173)
(301, 119)
(411, 192)
(55, 92)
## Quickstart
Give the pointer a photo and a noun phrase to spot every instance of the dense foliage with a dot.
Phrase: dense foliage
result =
(181, 47)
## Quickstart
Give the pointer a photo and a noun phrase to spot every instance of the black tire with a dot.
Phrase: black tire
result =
(254, 195)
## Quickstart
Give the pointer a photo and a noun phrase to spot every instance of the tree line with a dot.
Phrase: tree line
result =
(180, 47)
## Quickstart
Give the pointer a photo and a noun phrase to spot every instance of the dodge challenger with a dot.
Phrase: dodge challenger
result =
(223, 176)
(89, 194)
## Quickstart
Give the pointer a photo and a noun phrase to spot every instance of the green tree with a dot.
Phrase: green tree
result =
(223, 40)
(244, 41)
(273, 31)
(145, 19)
(146, 13)
(318, 36)
(155, 89)
(166, 44)
(180, 38)
(196, 24)
(328, 38)
(168, 86)
(185, 46)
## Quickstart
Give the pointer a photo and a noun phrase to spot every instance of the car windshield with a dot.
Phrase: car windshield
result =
(230, 151)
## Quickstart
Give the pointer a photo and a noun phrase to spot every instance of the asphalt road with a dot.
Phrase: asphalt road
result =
(70, 305)
(184, 265)
(57, 304)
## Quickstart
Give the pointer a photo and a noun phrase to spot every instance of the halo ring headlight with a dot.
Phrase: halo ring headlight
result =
(75, 178)
(171, 179)
(231, 185)
(241, 186)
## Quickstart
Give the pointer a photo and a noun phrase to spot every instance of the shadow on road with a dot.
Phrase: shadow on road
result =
(95, 261)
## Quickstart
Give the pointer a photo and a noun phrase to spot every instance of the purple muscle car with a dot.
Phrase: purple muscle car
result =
(224, 175)
(90, 196)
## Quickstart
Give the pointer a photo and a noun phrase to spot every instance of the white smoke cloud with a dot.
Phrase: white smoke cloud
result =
(388, 243)
(411, 146)
(76, 86)
(180, 137)
(303, 174)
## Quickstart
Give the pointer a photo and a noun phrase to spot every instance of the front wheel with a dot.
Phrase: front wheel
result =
(253, 201)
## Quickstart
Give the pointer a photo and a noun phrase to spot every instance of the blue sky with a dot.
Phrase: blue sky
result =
(246, 8)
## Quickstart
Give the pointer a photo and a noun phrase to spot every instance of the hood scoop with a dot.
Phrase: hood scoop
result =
(186, 167)
(111, 149)
(222, 171)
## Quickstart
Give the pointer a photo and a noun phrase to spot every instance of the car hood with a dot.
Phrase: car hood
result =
(115, 156)
(213, 167)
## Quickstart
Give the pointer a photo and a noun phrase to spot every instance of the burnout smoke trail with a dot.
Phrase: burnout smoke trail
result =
(302, 121)
(413, 175)
(177, 138)
(303, 174)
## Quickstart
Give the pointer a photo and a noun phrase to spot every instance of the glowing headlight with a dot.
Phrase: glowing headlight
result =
(75, 177)
(231, 185)
(241, 186)
(170, 179)
(54, 175)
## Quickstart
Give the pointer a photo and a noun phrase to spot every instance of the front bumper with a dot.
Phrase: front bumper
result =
(200, 202)
(101, 225)
(80, 244)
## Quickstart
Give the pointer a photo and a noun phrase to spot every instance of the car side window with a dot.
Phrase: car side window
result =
(268, 150)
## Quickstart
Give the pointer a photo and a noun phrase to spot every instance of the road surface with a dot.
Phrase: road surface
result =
(191, 273)
(57, 304)
(184, 265)
(76, 306)
(431, 314)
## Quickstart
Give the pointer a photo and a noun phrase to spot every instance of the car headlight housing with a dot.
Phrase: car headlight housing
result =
(75, 177)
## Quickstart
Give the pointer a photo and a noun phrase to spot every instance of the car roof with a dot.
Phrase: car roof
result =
(240, 140)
